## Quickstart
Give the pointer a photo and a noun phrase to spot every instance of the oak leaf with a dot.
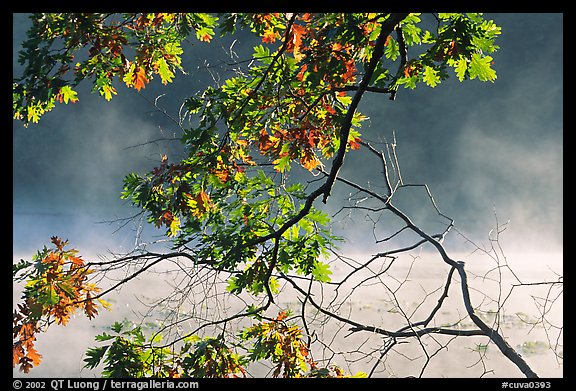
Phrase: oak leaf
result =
(140, 79)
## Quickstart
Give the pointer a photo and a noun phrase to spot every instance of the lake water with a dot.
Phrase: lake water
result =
(410, 288)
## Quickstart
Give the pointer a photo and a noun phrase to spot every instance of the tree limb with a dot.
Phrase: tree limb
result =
(387, 27)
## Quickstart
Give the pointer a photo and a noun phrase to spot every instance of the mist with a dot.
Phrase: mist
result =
(480, 147)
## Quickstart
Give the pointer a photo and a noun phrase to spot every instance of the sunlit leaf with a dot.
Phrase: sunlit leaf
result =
(480, 68)
(164, 70)
(108, 91)
(321, 272)
(68, 94)
(461, 68)
(431, 76)
(140, 79)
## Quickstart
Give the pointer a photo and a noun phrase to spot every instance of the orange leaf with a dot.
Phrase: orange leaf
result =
(222, 174)
(452, 48)
(205, 198)
(269, 36)
(27, 331)
(62, 315)
(407, 71)
(166, 218)
(300, 75)
(309, 161)
(140, 79)
(282, 315)
(350, 70)
(298, 32)
(34, 356)
(77, 261)
(17, 353)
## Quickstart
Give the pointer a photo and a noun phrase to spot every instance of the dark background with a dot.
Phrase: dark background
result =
(484, 149)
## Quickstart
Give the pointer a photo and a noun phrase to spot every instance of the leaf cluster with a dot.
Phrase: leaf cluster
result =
(56, 287)
(127, 352)
(61, 50)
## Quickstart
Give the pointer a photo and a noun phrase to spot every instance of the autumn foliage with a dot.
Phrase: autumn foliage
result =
(57, 285)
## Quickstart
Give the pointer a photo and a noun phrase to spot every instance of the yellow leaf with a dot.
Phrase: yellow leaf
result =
(107, 91)
(128, 76)
(105, 304)
(174, 226)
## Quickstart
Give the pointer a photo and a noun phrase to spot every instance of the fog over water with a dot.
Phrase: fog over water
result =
(491, 153)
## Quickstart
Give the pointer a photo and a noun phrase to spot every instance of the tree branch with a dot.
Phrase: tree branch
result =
(387, 27)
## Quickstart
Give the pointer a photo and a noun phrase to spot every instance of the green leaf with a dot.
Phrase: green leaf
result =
(392, 50)
(282, 164)
(157, 337)
(410, 30)
(67, 288)
(34, 113)
(461, 67)
(164, 71)
(480, 68)
(104, 337)
(68, 94)
(274, 284)
(409, 82)
(136, 332)
(431, 76)
(319, 217)
(262, 53)
(174, 49)
(233, 286)
(50, 297)
(94, 356)
(22, 264)
(344, 99)
(321, 272)
(446, 15)
(117, 327)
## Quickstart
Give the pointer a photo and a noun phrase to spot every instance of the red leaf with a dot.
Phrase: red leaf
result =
(354, 144)
(265, 142)
(89, 308)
